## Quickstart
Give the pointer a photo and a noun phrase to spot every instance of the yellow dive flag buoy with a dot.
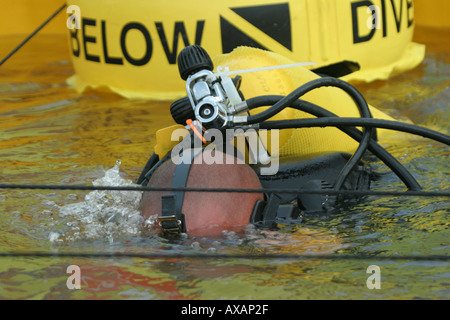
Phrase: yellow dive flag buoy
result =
(131, 46)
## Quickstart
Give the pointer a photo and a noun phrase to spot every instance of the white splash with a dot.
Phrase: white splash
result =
(103, 214)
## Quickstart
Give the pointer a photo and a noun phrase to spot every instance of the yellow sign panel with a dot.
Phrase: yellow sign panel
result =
(131, 46)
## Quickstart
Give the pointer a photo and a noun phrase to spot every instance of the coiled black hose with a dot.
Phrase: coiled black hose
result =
(402, 173)
(287, 101)
(327, 82)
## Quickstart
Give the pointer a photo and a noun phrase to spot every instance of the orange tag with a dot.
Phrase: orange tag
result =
(190, 124)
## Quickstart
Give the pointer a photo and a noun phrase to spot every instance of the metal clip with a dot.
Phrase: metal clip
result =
(171, 221)
(170, 225)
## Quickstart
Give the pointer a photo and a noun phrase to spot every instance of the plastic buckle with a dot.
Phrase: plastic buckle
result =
(171, 222)
(264, 213)
(170, 225)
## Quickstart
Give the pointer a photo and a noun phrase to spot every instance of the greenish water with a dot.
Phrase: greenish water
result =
(51, 135)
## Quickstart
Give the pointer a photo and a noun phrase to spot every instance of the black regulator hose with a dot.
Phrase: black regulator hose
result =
(404, 175)
(154, 158)
(327, 82)
(307, 87)
(359, 122)
(339, 122)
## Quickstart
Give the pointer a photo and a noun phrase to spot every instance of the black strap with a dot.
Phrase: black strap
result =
(172, 222)
(143, 179)
(179, 180)
(154, 162)
(172, 219)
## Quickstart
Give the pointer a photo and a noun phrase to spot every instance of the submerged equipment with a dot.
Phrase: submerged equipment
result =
(214, 101)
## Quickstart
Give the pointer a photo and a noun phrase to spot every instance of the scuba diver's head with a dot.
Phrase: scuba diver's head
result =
(204, 213)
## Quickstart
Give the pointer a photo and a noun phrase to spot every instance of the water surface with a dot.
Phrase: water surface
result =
(52, 135)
